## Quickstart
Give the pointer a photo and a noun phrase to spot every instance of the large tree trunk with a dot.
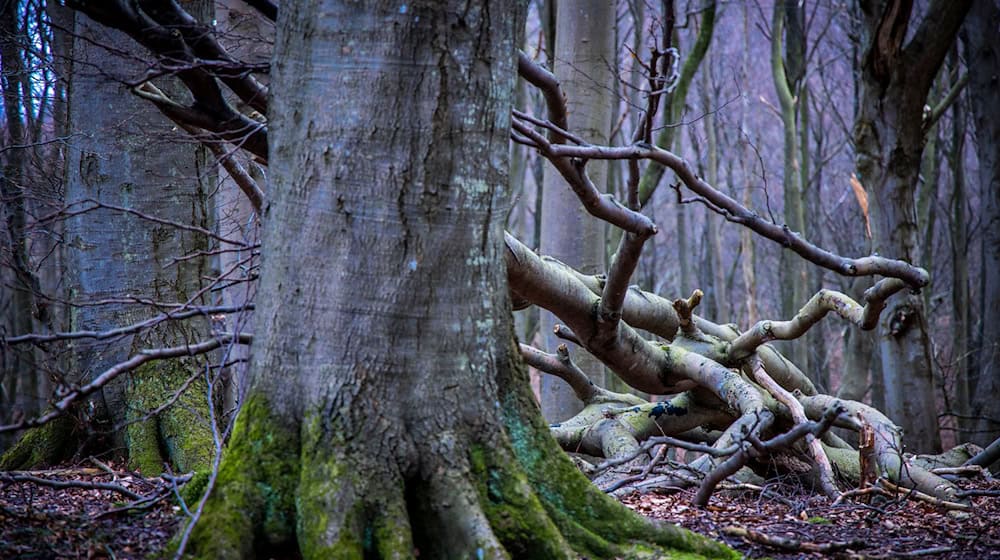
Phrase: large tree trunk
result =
(388, 413)
(889, 139)
(569, 233)
(983, 59)
(119, 157)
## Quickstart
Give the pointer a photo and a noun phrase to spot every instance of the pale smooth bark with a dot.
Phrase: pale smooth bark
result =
(584, 51)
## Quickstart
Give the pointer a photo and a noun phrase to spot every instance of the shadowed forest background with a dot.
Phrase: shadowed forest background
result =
(263, 256)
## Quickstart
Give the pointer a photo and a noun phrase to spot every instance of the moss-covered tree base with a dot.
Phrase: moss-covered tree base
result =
(179, 434)
(43, 446)
(287, 489)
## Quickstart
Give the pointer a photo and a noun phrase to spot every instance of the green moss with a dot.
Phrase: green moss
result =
(516, 516)
(192, 491)
(180, 434)
(320, 483)
(252, 507)
(588, 518)
(143, 447)
(41, 446)
(845, 463)
(816, 520)
(392, 532)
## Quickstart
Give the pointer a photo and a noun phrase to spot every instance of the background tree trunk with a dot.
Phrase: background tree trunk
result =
(19, 395)
(982, 55)
(569, 233)
(122, 156)
(889, 140)
(959, 269)
(788, 30)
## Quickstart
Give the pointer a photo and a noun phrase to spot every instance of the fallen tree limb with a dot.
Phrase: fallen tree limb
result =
(826, 477)
(793, 545)
(757, 448)
(17, 476)
(825, 301)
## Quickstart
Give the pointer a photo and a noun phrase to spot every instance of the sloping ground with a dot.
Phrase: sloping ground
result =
(803, 526)
(41, 522)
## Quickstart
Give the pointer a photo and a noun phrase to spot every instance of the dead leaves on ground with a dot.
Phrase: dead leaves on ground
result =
(783, 525)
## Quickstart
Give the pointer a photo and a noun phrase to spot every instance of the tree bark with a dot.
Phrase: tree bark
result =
(889, 138)
(18, 372)
(388, 413)
(569, 233)
(959, 270)
(983, 59)
(787, 76)
(119, 157)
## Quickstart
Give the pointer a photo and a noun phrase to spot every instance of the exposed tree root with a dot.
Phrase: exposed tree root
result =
(41, 446)
(167, 419)
(509, 493)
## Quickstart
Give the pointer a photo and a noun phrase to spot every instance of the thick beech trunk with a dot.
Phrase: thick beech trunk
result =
(388, 413)
(121, 155)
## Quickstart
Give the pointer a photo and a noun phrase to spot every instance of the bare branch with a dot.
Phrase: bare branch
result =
(15, 476)
(609, 313)
(598, 204)
(931, 117)
(759, 448)
(562, 367)
(110, 374)
(184, 313)
(555, 99)
(813, 311)
(267, 8)
(826, 477)
(735, 212)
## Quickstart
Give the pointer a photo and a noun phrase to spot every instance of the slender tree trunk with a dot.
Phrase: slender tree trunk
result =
(18, 374)
(793, 273)
(388, 413)
(982, 54)
(813, 216)
(927, 195)
(748, 265)
(569, 233)
(861, 367)
(959, 272)
(718, 297)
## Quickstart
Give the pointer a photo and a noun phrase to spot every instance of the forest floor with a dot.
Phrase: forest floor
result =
(784, 524)
(42, 522)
